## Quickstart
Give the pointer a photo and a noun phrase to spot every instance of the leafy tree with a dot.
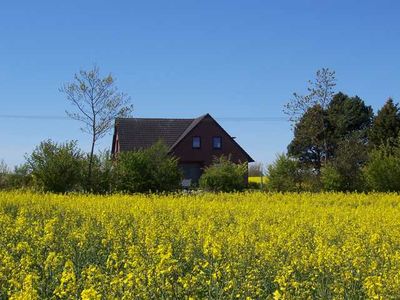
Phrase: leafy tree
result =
(382, 172)
(344, 171)
(102, 173)
(319, 131)
(224, 176)
(310, 109)
(21, 177)
(4, 174)
(386, 125)
(331, 178)
(309, 144)
(98, 103)
(284, 175)
(56, 167)
(151, 169)
(320, 92)
(348, 116)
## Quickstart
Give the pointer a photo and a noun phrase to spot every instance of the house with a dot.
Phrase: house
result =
(195, 142)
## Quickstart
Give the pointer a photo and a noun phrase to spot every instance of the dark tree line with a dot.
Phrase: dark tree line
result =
(338, 143)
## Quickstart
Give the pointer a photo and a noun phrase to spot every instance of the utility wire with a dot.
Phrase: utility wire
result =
(229, 119)
(33, 117)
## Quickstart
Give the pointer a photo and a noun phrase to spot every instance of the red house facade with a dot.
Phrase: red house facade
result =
(195, 142)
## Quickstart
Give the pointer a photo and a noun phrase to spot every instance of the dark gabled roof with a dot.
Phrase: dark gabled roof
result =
(187, 130)
(141, 133)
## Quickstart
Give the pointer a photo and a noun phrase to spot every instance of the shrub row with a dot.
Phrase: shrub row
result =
(63, 168)
(380, 172)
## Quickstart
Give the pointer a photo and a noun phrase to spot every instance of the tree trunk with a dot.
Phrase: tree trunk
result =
(91, 164)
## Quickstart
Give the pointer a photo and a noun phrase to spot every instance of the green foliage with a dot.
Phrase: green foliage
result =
(97, 103)
(224, 176)
(56, 167)
(102, 173)
(4, 173)
(20, 178)
(331, 179)
(386, 125)
(284, 174)
(309, 141)
(382, 172)
(348, 116)
(319, 131)
(344, 171)
(308, 115)
(253, 185)
(320, 93)
(151, 169)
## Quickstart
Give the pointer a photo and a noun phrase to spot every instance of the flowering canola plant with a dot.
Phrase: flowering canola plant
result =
(226, 246)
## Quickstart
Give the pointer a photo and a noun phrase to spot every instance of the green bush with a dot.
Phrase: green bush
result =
(224, 176)
(102, 173)
(56, 167)
(254, 186)
(284, 175)
(20, 178)
(4, 175)
(142, 171)
(331, 179)
(344, 171)
(382, 171)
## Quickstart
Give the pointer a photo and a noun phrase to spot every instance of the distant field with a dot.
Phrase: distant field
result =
(258, 179)
(251, 245)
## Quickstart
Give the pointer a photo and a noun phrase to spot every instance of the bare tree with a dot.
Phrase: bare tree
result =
(320, 92)
(3, 167)
(97, 102)
(256, 169)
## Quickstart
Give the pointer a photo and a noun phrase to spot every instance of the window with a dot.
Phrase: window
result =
(217, 142)
(196, 142)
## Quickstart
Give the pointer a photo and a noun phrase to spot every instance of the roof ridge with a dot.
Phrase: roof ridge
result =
(188, 129)
(134, 118)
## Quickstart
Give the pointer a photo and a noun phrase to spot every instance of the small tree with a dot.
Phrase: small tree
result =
(151, 169)
(344, 172)
(331, 179)
(309, 143)
(386, 125)
(224, 176)
(284, 175)
(256, 170)
(4, 174)
(98, 103)
(382, 172)
(56, 167)
(21, 177)
(102, 173)
(320, 92)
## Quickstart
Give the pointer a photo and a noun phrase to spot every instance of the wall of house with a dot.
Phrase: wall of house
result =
(207, 129)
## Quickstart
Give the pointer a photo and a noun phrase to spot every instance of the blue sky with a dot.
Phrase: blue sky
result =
(232, 59)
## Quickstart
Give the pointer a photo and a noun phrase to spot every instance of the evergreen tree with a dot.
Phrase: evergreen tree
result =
(308, 144)
(386, 125)
(319, 132)
(347, 116)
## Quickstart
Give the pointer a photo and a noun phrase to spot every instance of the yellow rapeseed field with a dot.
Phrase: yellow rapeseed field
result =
(257, 179)
(226, 246)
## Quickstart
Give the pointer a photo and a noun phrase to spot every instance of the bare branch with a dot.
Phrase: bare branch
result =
(98, 103)
(320, 92)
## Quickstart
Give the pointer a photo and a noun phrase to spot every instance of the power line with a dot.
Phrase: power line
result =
(228, 119)
(253, 119)
(33, 117)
